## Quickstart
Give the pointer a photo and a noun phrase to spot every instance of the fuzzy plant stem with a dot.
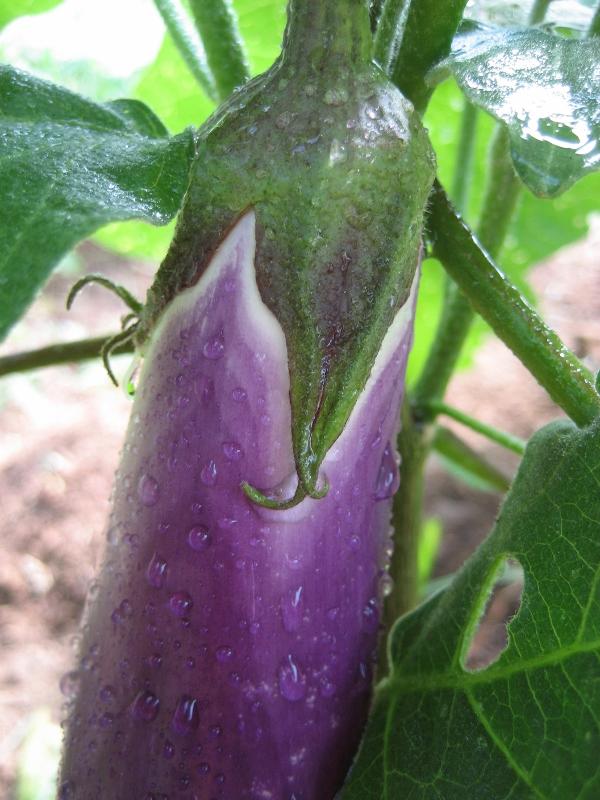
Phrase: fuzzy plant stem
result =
(503, 307)
(188, 43)
(456, 451)
(502, 438)
(463, 170)
(217, 25)
(594, 29)
(502, 193)
(538, 11)
(506, 440)
(407, 516)
(457, 315)
(56, 354)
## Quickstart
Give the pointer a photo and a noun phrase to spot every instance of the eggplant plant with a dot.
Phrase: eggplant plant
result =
(258, 628)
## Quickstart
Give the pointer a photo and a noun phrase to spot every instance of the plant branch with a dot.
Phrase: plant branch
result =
(412, 35)
(503, 307)
(469, 461)
(506, 440)
(457, 314)
(188, 43)
(217, 25)
(594, 29)
(502, 193)
(407, 519)
(538, 11)
(67, 353)
(463, 167)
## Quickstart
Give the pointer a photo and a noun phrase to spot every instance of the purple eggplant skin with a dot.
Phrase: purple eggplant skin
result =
(227, 649)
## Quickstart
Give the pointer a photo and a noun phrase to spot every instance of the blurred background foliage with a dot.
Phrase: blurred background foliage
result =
(114, 49)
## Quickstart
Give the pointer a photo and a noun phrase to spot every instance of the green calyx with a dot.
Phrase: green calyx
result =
(337, 167)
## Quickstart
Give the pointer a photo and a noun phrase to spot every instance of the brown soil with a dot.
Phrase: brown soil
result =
(61, 434)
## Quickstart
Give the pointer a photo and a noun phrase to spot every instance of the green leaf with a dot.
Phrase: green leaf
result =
(544, 88)
(527, 726)
(168, 87)
(69, 166)
(11, 9)
(540, 226)
(574, 15)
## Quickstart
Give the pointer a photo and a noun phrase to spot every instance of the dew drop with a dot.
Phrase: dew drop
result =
(154, 660)
(186, 716)
(208, 474)
(291, 609)
(327, 688)
(386, 584)
(292, 683)
(388, 477)
(205, 389)
(106, 719)
(198, 538)
(224, 654)
(122, 612)
(106, 694)
(214, 348)
(203, 768)
(196, 508)
(157, 571)
(294, 562)
(66, 791)
(168, 750)
(215, 731)
(370, 616)
(145, 706)
(69, 684)
(148, 490)
(354, 542)
(232, 451)
(239, 394)
(180, 604)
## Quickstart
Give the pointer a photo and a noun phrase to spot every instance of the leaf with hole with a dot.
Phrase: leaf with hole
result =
(527, 726)
(69, 166)
(544, 88)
